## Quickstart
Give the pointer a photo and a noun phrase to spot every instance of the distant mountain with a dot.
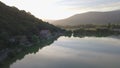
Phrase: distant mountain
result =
(91, 18)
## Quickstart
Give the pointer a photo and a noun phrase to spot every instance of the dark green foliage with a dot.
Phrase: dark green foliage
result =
(35, 39)
(17, 53)
(96, 33)
(15, 22)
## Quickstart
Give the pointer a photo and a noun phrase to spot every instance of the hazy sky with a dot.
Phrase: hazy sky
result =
(58, 9)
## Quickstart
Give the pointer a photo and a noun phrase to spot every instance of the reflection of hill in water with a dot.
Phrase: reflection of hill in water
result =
(10, 55)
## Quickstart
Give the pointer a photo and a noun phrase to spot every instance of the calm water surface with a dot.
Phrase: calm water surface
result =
(74, 52)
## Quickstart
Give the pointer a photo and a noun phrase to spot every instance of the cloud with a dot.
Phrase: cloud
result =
(85, 2)
(96, 5)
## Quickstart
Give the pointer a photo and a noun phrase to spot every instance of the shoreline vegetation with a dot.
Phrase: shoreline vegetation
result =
(92, 30)
(110, 26)
(97, 30)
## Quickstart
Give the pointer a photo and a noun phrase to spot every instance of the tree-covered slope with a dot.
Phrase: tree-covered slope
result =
(15, 22)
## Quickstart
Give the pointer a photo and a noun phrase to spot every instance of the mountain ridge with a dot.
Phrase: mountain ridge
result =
(93, 17)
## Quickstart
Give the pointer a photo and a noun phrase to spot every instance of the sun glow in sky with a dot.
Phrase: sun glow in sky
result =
(59, 9)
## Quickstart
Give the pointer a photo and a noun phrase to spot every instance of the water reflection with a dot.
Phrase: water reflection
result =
(86, 53)
(69, 51)
(10, 55)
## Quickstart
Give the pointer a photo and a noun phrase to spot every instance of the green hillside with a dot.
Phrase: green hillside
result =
(17, 24)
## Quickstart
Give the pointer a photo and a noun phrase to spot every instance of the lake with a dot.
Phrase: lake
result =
(75, 52)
